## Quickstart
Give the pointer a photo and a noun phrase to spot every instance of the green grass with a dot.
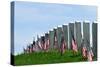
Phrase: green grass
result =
(47, 58)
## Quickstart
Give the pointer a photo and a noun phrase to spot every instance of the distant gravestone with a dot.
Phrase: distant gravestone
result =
(59, 34)
(71, 32)
(78, 35)
(46, 36)
(86, 34)
(65, 31)
(55, 39)
(94, 38)
(51, 36)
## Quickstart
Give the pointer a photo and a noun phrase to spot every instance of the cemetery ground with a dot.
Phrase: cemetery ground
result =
(48, 58)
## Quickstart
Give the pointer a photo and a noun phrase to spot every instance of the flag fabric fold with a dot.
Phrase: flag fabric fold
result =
(74, 45)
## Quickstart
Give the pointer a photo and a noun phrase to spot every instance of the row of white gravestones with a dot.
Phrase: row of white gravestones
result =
(75, 29)
(67, 32)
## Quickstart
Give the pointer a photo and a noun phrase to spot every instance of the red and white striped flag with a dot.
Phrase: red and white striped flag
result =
(42, 46)
(45, 45)
(48, 43)
(39, 44)
(30, 49)
(90, 55)
(74, 45)
(55, 42)
(64, 46)
(55, 38)
(34, 48)
(84, 50)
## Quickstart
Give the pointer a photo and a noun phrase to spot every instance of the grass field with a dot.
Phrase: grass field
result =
(47, 58)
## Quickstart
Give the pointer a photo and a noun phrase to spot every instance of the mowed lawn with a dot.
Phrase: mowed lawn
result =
(47, 58)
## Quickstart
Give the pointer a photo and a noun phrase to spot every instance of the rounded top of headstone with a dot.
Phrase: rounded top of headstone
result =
(86, 21)
(65, 24)
(71, 22)
(59, 25)
(55, 27)
(48, 32)
(78, 21)
(95, 21)
(51, 30)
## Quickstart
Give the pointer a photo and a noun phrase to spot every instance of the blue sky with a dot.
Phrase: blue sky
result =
(37, 18)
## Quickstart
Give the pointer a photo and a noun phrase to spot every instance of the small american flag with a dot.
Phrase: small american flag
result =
(45, 45)
(84, 50)
(55, 42)
(48, 43)
(39, 44)
(90, 55)
(64, 46)
(74, 45)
